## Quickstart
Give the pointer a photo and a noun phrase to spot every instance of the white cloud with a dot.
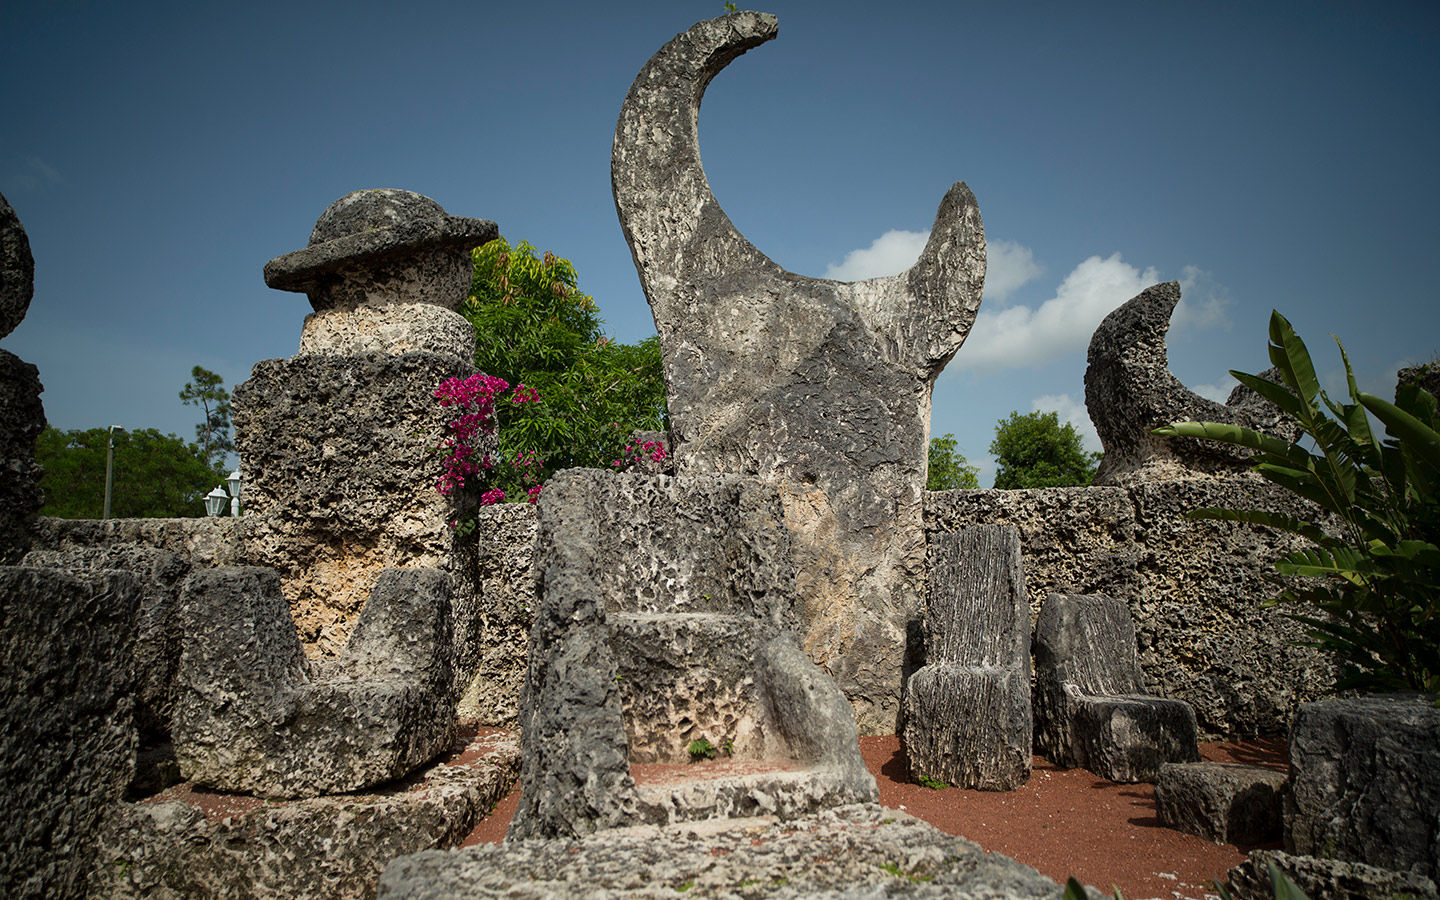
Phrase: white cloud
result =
(891, 253)
(1218, 392)
(1072, 411)
(1203, 303)
(35, 173)
(1019, 336)
(1008, 265)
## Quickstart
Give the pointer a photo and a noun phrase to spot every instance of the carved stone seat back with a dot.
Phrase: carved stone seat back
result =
(967, 711)
(1091, 708)
(664, 617)
(253, 715)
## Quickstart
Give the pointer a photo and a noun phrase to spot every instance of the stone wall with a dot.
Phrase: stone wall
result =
(1195, 588)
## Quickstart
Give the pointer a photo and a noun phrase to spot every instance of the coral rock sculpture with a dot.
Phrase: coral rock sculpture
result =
(821, 386)
(967, 711)
(1091, 708)
(1130, 391)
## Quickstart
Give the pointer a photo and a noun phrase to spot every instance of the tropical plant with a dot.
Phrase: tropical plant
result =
(949, 470)
(533, 326)
(1033, 450)
(1374, 572)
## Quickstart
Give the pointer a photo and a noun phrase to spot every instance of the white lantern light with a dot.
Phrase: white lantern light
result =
(215, 501)
(233, 481)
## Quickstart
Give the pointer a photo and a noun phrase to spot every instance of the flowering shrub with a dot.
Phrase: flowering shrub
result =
(636, 450)
(464, 464)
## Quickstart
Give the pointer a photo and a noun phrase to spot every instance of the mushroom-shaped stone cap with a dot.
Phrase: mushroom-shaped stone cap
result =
(370, 226)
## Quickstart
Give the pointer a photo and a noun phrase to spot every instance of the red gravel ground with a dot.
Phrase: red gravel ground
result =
(1063, 822)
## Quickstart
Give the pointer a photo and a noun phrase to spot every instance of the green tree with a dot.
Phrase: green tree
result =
(534, 326)
(1033, 450)
(207, 391)
(155, 475)
(949, 469)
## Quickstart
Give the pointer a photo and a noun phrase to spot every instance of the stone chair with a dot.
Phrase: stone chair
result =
(664, 617)
(253, 715)
(1091, 709)
(967, 710)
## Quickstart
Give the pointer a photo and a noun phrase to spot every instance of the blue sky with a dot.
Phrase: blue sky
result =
(1268, 155)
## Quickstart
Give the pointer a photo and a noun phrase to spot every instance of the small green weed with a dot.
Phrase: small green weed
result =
(933, 784)
(699, 749)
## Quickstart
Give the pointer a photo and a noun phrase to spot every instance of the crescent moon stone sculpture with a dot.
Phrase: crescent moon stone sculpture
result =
(820, 386)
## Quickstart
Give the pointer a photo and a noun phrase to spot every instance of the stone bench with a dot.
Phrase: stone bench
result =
(253, 715)
(1227, 803)
(1091, 708)
(967, 711)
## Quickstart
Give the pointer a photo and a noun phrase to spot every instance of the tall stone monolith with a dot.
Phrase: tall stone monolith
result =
(820, 386)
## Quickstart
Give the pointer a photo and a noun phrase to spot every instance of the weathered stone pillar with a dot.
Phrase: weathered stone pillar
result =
(22, 417)
(336, 443)
(821, 386)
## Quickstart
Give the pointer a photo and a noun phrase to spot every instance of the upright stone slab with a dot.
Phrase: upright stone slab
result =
(253, 715)
(1365, 782)
(1129, 391)
(663, 618)
(967, 711)
(67, 748)
(337, 443)
(821, 386)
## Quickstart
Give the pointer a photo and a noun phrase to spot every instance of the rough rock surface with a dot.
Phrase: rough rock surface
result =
(160, 575)
(202, 542)
(252, 715)
(1331, 879)
(17, 269)
(967, 710)
(185, 843)
(392, 329)
(340, 474)
(1129, 391)
(663, 617)
(505, 584)
(1227, 803)
(22, 418)
(383, 246)
(821, 386)
(1091, 707)
(861, 851)
(67, 699)
(1427, 376)
(1194, 588)
(1365, 782)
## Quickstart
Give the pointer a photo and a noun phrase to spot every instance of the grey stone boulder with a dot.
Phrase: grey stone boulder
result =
(1226, 803)
(67, 749)
(820, 386)
(663, 617)
(1129, 391)
(505, 585)
(967, 711)
(1091, 707)
(22, 419)
(1365, 782)
(253, 715)
(1326, 879)
(860, 851)
(161, 574)
(17, 269)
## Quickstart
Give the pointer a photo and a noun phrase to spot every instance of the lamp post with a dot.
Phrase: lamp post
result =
(215, 501)
(233, 482)
(109, 468)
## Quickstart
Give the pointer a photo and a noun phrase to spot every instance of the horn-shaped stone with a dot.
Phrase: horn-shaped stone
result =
(823, 386)
(1129, 391)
